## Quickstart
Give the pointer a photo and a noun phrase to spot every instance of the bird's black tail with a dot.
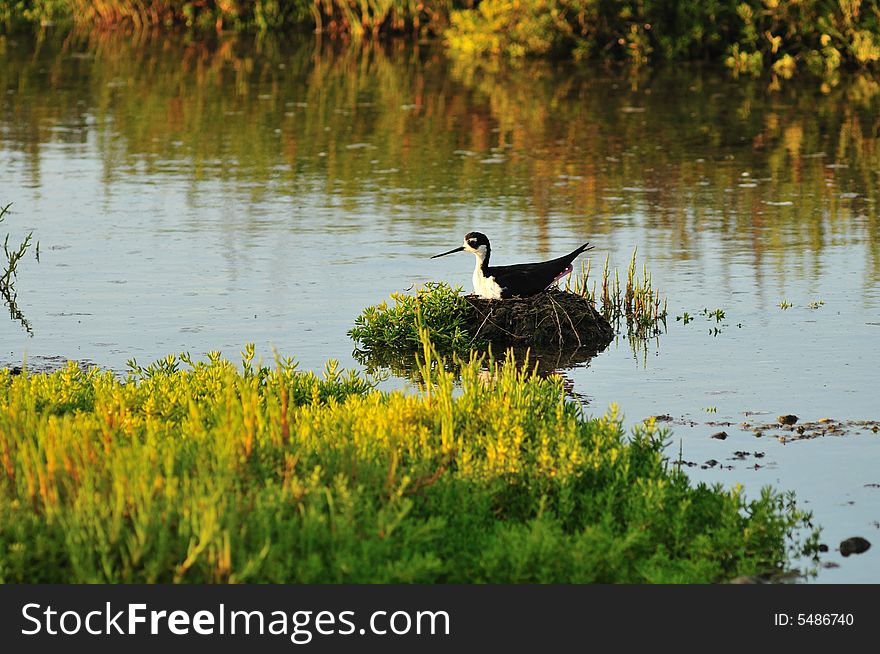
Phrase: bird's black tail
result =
(580, 250)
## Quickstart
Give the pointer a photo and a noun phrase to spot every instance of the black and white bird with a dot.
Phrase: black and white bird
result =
(519, 280)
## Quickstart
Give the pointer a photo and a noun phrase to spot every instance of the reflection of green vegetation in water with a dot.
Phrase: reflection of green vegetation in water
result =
(10, 272)
(781, 172)
(203, 472)
(403, 132)
(381, 362)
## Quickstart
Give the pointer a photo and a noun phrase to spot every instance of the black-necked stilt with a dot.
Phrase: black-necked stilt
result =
(520, 280)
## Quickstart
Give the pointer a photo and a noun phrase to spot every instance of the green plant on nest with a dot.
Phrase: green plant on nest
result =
(436, 307)
(637, 304)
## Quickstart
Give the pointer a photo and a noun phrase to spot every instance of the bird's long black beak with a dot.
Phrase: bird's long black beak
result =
(458, 249)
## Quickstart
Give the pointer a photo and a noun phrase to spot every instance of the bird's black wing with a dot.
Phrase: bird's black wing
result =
(525, 279)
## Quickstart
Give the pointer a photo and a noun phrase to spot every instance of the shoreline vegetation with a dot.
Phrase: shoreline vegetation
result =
(748, 36)
(205, 471)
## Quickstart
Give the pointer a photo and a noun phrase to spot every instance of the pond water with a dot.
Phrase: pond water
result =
(198, 196)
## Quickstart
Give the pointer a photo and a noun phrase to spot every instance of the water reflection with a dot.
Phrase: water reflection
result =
(544, 361)
(781, 174)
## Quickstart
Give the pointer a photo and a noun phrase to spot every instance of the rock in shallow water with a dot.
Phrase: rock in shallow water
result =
(854, 545)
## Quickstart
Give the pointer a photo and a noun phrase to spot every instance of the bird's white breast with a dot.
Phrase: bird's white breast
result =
(484, 286)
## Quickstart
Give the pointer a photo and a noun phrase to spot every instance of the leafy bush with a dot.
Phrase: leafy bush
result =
(748, 34)
(204, 472)
(436, 307)
(513, 28)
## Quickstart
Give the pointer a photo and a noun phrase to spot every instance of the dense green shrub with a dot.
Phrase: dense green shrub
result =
(749, 34)
(436, 307)
(205, 472)
(513, 28)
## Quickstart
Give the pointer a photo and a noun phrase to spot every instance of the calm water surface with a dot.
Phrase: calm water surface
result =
(194, 197)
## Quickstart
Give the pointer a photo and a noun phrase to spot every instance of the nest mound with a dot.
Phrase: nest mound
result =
(554, 318)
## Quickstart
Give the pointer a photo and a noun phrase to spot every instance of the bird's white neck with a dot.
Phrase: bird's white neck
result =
(484, 286)
(482, 255)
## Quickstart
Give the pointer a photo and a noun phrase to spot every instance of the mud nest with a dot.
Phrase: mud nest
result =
(555, 318)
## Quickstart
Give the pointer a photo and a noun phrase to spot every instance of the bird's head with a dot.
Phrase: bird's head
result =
(474, 242)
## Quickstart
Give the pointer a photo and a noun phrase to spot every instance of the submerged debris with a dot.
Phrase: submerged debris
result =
(551, 319)
(808, 430)
(45, 365)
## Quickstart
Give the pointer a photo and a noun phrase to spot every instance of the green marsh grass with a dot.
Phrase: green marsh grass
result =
(637, 304)
(10, 272)
(188, 471)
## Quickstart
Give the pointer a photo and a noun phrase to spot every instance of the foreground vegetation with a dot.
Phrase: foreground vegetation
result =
(205, 472)
(749, 35)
